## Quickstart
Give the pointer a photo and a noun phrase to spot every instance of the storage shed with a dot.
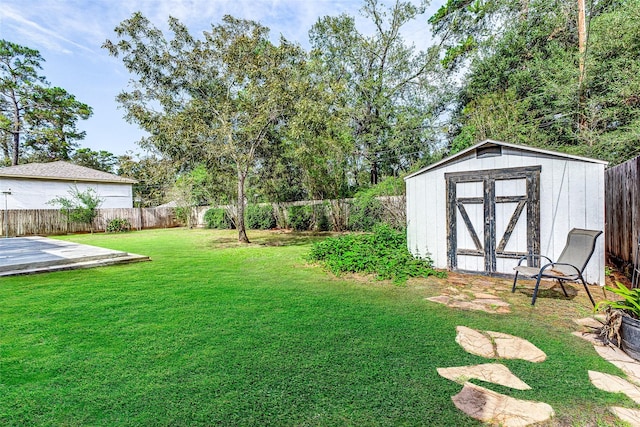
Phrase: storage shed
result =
(483, 208)
(33, 185)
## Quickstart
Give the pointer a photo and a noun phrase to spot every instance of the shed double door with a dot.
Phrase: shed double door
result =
(493, 218)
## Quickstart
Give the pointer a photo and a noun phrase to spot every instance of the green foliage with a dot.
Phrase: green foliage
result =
(383, 253)
(300, 217)
(630, 302)
(183, 214)
(81, 206)
(365, 211)
(322, 219)
(118, 225)
(260, 217)
(155, 176)
(99, 160)
(218, 218)
(38, 122)
(386, 85)
(524, 83)
(389, 186)
(220, 100)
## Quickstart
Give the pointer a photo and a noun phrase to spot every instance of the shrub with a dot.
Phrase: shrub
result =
(383, 253)
(118, 225)
(365, 213)
(300, 217)
(260, 217)
(80, 206)
(182, 214)
(218, 218)
(322, 220)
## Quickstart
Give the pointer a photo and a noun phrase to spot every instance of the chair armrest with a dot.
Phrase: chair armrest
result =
(534, 256)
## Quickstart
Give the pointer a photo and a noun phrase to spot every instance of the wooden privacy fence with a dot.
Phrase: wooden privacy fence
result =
(26, 222)
(394, 211)
(622, 210)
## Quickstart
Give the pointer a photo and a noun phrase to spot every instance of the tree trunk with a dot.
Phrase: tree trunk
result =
(582, 51)
(16, 148)
(374, 171)
(242, 232)
(16, 133)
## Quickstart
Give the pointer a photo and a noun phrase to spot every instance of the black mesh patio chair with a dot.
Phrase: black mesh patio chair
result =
(568, 268)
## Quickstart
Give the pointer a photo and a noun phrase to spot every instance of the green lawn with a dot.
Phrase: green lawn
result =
(213, 333)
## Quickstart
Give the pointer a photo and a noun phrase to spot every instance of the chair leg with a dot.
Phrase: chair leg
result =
(535, 290)
(563, 289)
(515, 279)
(587, 289)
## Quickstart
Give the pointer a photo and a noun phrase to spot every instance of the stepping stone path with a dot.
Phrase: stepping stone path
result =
(498, 409)
(475, 299)
(489, 372)
(487, 405)
(613, 383)
(498, 345)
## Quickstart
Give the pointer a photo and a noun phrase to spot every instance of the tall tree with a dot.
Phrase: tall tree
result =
(387, 84)
(32, 114)
(53, 119)
(527, 83)
(213, 99)
(100, 160)
(155, 177)
(19, 79)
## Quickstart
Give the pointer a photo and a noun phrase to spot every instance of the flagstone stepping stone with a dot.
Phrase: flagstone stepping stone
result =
(620, 359)
(632, 416)
(615, 384)
(511, 347)
(589, 322)
(489, 372)
(493, 305)
(594, 339)
(498, 345)
(442, 299)
(482, 295)
(495, 408)
(475, 342)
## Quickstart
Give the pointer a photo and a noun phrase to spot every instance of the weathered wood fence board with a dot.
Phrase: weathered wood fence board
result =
(26, 222)
(622, 210)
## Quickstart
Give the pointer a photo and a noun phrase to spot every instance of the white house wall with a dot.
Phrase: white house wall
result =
(34, 194)
(571, 196)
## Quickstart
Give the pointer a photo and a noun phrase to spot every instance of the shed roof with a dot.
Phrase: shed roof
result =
(61, 171)
(488, 142)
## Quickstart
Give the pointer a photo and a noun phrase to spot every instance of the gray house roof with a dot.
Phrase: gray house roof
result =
(61, 171)
(491, 142)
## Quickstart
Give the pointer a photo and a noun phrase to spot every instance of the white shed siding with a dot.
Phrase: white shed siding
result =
(34, 194)
(571, 195)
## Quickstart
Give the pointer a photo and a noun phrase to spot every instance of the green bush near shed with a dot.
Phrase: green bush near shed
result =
(383, 253)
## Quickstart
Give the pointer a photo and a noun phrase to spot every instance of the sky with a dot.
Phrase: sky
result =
(69, 35)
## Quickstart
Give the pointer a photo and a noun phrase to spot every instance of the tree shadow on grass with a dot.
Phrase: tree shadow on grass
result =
(549, 291)
(277, 238)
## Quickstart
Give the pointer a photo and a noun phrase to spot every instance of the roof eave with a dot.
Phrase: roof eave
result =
(57, 178)
(504, 144)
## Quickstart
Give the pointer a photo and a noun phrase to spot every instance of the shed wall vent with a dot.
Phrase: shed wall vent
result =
(488, 151)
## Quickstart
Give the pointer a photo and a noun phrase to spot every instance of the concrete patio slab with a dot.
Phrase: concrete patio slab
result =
(29, 255)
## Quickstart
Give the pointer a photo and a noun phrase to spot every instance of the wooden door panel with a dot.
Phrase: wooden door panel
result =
(492, 215)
